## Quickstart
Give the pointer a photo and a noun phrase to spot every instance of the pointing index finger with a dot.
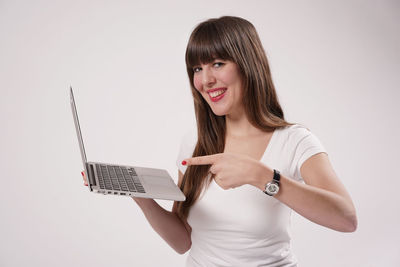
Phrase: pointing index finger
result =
(202, 160)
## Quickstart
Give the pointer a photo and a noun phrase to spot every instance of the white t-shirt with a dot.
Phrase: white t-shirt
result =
(243, 226)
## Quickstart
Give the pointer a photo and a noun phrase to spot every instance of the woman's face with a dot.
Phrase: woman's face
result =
(220, 84)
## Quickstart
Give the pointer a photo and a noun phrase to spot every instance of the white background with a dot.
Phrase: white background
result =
(336, 68)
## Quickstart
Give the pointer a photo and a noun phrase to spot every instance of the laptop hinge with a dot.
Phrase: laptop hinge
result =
(90, 169)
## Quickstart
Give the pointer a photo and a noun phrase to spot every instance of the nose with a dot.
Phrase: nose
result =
(208, 78)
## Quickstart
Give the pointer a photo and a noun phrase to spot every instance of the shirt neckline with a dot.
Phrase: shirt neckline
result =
(270, 142)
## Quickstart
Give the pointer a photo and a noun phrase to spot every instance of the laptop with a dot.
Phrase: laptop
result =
(113, 179)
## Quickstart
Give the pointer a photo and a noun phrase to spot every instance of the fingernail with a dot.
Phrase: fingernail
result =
(184, 162)
(83, 174)
(86, 184)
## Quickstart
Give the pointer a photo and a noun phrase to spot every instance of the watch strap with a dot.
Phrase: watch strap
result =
(277, 177)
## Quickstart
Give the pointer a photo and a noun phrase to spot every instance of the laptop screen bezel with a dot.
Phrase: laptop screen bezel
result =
(79, 135)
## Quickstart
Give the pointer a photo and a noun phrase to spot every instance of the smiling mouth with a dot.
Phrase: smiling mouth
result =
(217, 94)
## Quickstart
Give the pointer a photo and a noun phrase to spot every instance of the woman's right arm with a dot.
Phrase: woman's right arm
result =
(174, 230)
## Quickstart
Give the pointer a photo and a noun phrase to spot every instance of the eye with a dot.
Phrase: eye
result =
(218, 64)
(196, 69)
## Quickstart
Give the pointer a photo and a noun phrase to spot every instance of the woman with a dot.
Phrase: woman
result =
(246, 168)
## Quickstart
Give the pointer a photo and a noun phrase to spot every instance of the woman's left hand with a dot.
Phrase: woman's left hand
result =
(230, 170)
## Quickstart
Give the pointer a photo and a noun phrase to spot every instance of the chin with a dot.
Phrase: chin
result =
(219, 112)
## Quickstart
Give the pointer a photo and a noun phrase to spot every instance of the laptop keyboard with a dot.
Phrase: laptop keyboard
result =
(118, 178)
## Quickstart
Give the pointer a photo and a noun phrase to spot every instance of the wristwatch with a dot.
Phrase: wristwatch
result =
(272, 187)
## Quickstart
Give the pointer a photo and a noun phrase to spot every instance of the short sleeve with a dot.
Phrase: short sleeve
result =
(306, 145)
(186, 149)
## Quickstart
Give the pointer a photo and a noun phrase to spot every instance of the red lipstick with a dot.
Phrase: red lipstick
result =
(216, 94)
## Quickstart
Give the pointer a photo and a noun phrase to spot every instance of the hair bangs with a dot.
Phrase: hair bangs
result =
(205, 45)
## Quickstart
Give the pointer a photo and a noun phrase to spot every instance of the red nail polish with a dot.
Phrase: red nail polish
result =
(82, 173)
(184, 162)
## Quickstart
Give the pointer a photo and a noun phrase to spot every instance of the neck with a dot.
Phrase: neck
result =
(238, 125)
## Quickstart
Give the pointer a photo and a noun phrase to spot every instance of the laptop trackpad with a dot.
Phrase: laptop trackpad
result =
(159, 185)
(156, 180)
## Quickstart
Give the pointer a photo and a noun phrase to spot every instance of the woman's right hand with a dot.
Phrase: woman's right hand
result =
(84, 178)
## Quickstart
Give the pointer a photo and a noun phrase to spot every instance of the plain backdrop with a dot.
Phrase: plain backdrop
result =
(335, 65)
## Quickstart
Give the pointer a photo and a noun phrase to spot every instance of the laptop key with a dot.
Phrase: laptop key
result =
(119, 178)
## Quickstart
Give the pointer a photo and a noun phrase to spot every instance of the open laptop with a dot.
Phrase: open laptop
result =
(122, 180)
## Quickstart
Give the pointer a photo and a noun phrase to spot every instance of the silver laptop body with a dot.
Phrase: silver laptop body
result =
(124, 180)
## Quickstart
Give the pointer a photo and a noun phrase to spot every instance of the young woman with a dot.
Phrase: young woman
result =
(245, 168)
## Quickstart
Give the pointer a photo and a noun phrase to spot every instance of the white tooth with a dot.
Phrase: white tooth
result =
(217, 93)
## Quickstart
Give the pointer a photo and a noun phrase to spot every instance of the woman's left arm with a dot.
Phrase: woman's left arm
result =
(322, 199)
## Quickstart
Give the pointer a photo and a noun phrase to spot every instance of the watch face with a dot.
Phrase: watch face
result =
(272, 188)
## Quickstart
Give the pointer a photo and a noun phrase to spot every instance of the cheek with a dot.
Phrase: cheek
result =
(197, 82)
(232, 76)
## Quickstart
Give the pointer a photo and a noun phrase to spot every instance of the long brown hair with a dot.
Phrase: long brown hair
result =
(234, 39)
